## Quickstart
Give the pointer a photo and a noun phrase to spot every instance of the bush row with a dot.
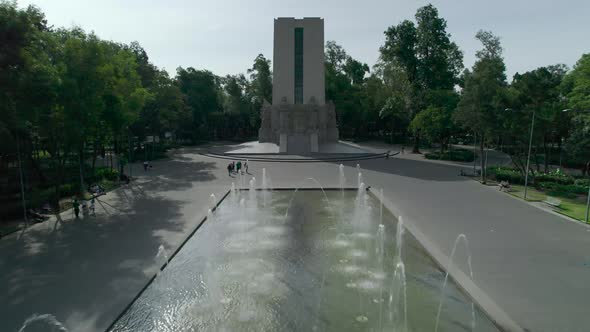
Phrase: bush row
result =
(454, 155)
(554, 183)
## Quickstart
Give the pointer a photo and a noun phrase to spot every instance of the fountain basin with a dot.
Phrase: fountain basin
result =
(325, 266)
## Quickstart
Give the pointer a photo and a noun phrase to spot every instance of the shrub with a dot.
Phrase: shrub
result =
(107, 174)
(562, 190)
(68, 189)
(582, 182)
(505, 174)
(555, 177)
(454, 155)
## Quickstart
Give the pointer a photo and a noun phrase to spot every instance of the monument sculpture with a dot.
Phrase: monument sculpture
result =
(299, 120)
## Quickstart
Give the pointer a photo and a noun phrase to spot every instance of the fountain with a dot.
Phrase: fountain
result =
(252, 190)
(341, 178)
(266, 187)
(359, 179)
(45, 318)
(398, 293)
(264, 180)
(381, 206)
(380, 253)
(162, 256)
(338, 262)
(399, 239)
(444, 285)
(213, 200)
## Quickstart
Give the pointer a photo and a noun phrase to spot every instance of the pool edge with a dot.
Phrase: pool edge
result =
(496, 314)
(161, 268)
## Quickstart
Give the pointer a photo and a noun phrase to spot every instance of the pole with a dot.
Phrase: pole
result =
(22, 182)
(528, 160)
(474, 151)
(588, 203)
(129, 161)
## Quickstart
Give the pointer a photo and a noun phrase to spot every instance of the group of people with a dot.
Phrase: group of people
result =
(87, 209)
(237, 167)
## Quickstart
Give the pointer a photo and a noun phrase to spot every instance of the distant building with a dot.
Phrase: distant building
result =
(299, 119)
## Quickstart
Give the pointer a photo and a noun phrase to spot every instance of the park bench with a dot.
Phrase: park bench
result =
(504, 186)
(552, 201)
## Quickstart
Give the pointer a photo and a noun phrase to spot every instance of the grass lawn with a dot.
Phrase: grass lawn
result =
(571, 207)
(533, 195)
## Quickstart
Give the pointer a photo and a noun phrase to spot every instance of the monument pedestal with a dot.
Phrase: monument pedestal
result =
(298, 128)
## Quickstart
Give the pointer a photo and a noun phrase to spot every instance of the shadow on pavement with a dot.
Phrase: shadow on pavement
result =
(87, 270)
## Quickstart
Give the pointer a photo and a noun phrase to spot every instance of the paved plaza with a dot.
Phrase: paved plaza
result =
(531, 263)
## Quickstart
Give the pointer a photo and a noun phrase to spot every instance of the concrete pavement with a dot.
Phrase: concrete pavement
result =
(531, 263)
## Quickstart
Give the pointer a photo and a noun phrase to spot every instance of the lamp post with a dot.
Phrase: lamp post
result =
(588, 200)
(474, 151)
(528, 159)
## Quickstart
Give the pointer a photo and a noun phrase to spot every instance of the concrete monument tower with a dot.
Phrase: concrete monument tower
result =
(299, 119)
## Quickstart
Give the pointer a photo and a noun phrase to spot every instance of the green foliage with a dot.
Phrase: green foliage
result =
(429, 60)
(107, 174)
(505, 174)
(453, 155)
(554, 183)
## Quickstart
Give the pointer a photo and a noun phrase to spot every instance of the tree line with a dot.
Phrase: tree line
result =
(419, 93)
(69, 98)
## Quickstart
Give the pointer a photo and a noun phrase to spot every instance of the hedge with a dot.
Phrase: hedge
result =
(454, 155)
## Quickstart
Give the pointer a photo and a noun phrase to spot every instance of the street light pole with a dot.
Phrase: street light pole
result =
(474, 151)
(528, 159)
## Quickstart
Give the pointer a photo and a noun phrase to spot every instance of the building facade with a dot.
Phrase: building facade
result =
(299, 120)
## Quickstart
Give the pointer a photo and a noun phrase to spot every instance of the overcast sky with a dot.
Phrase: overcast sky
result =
(225, 36)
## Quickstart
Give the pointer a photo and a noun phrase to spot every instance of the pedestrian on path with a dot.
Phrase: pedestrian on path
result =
(145, 166)
(229, 169)
(403, 149)
(239, 166)
(76, 205)
(246, 166)
(92, 208)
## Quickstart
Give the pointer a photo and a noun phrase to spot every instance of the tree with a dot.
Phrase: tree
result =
(201, 90)
(483, 97)
(261, 80)
(434, 123)
(430, 60)
(576, 87)
(539, 91)
(397, 90)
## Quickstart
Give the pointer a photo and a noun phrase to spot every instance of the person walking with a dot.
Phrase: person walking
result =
(239, 166)
(246, 166)
(92, 208)
(229, 169)
(145, 166)
(76, 206)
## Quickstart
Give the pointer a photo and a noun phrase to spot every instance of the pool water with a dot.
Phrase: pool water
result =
(301, 260)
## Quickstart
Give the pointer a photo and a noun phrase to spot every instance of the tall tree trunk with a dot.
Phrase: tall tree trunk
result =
(416, 148)
(547, 152)
(22, 182)
(81, 166)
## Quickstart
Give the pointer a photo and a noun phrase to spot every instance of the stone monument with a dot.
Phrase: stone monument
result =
(299, 120)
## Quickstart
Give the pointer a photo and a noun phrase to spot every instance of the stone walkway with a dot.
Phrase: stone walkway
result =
(531, 263)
